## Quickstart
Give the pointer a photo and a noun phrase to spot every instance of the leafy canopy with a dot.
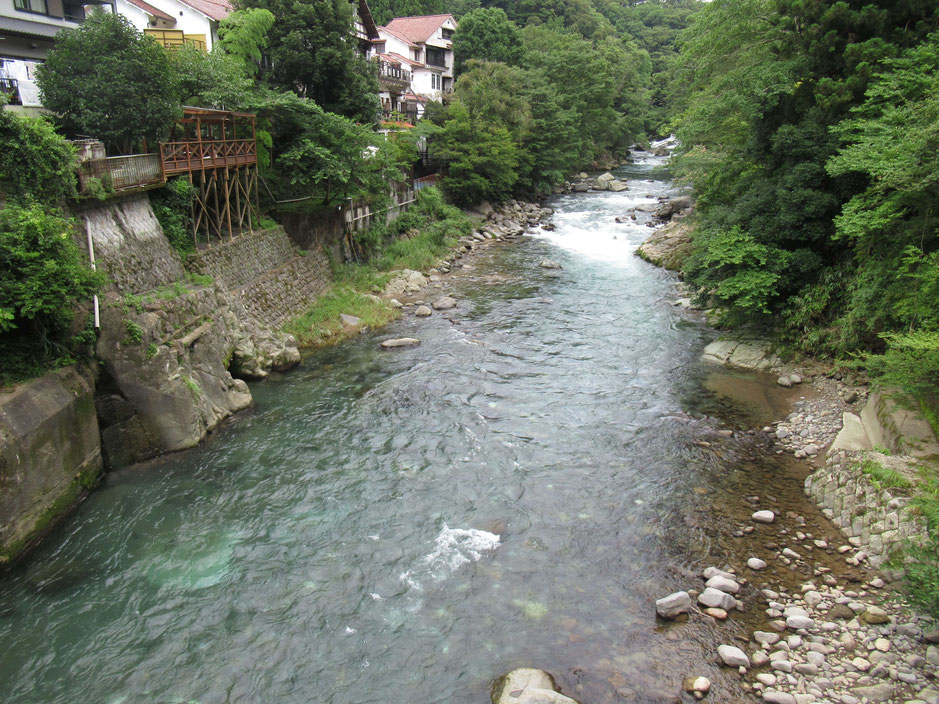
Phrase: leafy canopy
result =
(108, 81)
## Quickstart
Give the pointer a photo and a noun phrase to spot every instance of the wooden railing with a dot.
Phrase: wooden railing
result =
(182, 157)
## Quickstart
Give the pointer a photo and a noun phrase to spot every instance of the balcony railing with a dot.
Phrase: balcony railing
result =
(11, 88)
(120, 172)
(394, 74)
(181, 157)
(399, 116)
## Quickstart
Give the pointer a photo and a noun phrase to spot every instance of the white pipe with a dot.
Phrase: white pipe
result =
(91, 256)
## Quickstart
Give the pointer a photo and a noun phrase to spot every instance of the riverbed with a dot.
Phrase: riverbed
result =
(407, 525)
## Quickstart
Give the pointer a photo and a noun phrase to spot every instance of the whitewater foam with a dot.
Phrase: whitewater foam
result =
(453, 548)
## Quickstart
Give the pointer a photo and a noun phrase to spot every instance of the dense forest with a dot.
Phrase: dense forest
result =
(809, 133)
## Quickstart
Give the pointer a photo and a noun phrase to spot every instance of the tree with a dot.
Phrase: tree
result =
(243, 35)
(107, 80)
(487, 35)
(312, 53)
(35, 162)
(482, 158)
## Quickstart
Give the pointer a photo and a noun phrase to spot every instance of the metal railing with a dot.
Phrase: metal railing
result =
(179, 157)
(120, 172)
(11, 87)
(392, 72)
(399, 116)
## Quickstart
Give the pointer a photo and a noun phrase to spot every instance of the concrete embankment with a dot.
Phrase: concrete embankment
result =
(50, 454)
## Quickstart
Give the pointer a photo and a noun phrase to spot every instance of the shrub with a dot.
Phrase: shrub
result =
(35, 162)
(172, 207)
(42, 277)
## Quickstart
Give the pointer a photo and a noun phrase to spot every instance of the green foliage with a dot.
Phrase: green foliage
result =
(910, 363)
(330, 156)
(884, 476)
(482, 158)
(35, 162)
(243, 34)
(321, 324)
(133, 333)
(838, 244)
(42, 277)
(172, 207)
(415, 239)
(107, 80)
(152, 350)
(193, 387)
(311, 48)
(486, 35)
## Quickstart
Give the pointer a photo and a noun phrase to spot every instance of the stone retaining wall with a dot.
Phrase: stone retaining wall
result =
(287, 291)
(875, 519)
(273, 280)
(244, 259)
(129, 244)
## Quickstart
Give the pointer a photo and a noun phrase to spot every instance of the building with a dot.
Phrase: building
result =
(422, 45)
(366, 31)
(174, 23)
(27, 29)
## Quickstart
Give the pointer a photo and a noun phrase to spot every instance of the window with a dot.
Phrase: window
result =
(37, 6)
(436, 57)
(446, 33)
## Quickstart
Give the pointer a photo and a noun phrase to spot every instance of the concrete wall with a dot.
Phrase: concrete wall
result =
(130, 245)
(49, 454)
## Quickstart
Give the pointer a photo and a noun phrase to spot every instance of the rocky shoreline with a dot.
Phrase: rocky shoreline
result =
(845, 639)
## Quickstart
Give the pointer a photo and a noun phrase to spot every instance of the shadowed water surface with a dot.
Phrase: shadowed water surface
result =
(407, 525)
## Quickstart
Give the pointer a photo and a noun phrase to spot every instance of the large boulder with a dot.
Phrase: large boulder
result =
(670, 208)
(168, 360)
(528, 686)
(668, 247)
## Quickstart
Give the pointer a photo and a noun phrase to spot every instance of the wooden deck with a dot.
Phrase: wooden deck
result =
(189, 156)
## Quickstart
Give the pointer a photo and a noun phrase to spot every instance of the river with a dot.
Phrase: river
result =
(407, 525)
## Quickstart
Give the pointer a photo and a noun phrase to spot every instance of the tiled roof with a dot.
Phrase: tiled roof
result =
(417, 29)
(151, 10)
(402, 59)
(397, 34)
(215, 9)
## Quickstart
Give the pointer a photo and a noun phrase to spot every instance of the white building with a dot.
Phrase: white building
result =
(424, 45)
(27, 28)
(177, 22)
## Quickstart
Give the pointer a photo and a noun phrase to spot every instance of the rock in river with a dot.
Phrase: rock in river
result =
(445, 303)
(422, 311)
(528, 686)
(400, 342)
(732, 656)
(673, 604)
(549, 264)
(764, 516)
(716, 598)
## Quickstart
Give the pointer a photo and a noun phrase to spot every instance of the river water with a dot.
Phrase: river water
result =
(407, 525)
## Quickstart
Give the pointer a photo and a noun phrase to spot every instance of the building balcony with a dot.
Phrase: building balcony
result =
(392, 76)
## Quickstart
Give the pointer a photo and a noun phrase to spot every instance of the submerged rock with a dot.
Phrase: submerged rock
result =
(549, 264)
(400, 342)
(445, 303)
(54, 576)
(528, 686)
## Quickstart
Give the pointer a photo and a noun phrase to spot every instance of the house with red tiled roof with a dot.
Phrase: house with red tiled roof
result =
(426, 43)
(174, 23)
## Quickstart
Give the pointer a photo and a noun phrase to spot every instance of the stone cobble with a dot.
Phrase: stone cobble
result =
(244, 259)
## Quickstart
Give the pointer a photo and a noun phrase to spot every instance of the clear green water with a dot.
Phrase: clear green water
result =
(406, 526)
